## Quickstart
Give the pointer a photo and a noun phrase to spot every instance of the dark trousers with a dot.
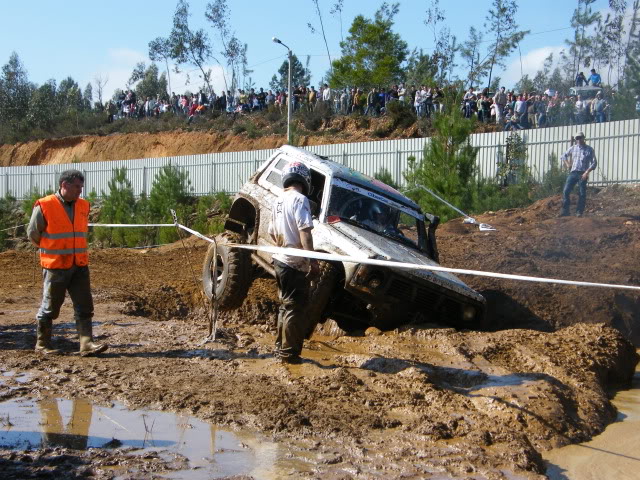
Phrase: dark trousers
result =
(293, 322)
(572, 179)
(57, 283)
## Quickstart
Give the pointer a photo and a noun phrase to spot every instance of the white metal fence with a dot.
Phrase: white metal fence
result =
(617, 146)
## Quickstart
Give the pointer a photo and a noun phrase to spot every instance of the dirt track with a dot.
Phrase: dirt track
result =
(418, 402)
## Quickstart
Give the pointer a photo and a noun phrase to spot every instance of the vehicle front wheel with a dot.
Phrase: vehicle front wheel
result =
(233, 275)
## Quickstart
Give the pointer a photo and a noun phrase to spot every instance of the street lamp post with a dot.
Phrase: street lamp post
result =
(289, 99)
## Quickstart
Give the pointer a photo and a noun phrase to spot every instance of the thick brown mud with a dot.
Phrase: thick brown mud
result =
(416, 402)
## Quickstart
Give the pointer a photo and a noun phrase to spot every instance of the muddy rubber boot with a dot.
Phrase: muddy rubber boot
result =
(85, 334)
(43, 340)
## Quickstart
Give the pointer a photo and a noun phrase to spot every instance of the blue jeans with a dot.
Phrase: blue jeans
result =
(572, 179)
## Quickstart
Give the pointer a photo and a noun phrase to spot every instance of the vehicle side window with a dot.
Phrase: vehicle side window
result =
(275, 178)
(271, 178)
(406, 222)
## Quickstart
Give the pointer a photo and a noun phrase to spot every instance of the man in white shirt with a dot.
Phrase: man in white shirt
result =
(291, 225)
(500, 102)
(326, 95)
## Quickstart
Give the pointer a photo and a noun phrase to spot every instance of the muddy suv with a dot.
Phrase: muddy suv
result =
(353, 215)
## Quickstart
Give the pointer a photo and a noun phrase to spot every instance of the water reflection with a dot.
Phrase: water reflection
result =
(212, 452)
(75, 434)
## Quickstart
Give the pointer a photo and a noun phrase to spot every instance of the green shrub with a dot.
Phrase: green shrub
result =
(238, 128)
(312, 120)
(118, 206)
(401, 115)
(447, 166)
(210, 213)
(8, 218)
(553, 181)
(252, 130)
(273, 114)
(171, 189)
(29, 201)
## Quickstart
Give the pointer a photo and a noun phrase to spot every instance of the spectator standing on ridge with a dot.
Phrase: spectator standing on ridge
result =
(581, 80)
(290, 227)
(579, 109)
(402, 92)
(580, 159)
(371, 102)
(599, 107)
(262, 98)
(594, 78)
(270, 99)
(541, 111)
(484, 113)
(418, 102)
(500, 100)
(326, 95)
(58, 227)
(520, 112)
(111, 111)
(312, 97)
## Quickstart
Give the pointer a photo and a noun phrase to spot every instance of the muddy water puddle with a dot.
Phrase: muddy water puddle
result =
(614, 454)
(212, 452)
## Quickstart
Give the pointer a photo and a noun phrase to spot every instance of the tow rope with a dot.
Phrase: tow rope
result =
(383, 263)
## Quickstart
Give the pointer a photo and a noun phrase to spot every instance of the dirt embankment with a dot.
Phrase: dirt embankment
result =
(128, 146)
(414, 403)
(601, 247)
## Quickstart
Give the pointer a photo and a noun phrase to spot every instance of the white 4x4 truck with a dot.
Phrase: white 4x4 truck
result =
(353, 214)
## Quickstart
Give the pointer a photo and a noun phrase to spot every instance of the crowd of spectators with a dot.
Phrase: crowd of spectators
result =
(517, 111)
(508, 109)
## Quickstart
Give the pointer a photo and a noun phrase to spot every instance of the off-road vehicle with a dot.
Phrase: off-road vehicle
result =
(353, 215)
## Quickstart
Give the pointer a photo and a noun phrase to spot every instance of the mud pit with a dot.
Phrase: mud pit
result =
(418, 402)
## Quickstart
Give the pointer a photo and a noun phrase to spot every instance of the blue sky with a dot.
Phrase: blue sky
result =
(86, 38)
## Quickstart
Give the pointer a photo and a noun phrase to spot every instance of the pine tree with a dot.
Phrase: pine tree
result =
(372, 54)
(118, 207)
(447, 165)
(581, 47)
(171, 189)
(15, 91)
(299, 75)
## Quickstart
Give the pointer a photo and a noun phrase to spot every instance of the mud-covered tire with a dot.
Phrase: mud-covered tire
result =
(320, 293)
(234, 276)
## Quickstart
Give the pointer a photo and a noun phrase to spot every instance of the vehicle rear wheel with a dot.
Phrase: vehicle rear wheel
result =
(320, 293)
(234, 273)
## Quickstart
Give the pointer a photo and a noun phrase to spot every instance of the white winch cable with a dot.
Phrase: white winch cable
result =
(387, 263)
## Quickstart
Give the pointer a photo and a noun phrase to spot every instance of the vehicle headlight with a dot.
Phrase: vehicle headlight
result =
(468, 313)
(375, 280)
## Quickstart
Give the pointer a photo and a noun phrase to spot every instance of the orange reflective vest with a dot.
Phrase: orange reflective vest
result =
(63, 244)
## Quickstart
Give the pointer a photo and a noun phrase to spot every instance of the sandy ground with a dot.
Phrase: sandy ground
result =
(417, 402)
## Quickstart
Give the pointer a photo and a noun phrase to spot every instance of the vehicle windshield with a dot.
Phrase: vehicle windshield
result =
(372, 211)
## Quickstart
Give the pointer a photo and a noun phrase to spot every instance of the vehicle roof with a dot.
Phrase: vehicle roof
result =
(329, 167)
(588, 88)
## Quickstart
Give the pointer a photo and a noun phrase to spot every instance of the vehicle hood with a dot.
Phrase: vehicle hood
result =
(353, 240)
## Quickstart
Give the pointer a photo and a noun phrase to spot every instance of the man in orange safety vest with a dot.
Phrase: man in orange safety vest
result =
(58, 227)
